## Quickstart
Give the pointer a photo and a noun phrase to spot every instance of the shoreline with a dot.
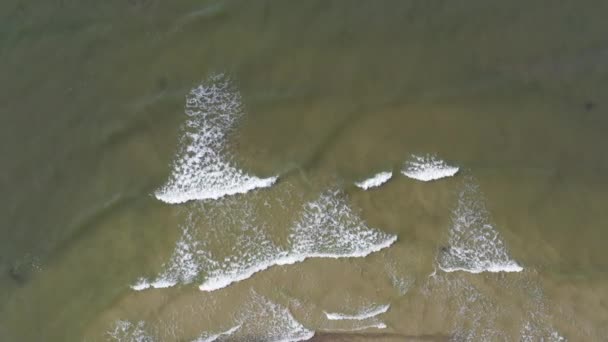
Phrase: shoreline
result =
(384, 337)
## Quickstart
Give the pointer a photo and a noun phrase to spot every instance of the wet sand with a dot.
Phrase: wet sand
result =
(380, 337)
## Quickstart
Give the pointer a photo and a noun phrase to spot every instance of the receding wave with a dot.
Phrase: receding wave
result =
(360, 327)
(325, 228)
(532, 331)
(480, 307)
(365, 313)
(202, 168)
(264, 320)
(328, 228)
(126, 331)
(258, 319)
(375, 181)
(215, 337)
(474, 245)
(427, 168)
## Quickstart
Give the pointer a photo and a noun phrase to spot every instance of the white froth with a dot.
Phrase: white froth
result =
(328, 228)
(537, 324)
(264, 320)
(378, 325)
(428, 168)
(125, 331)
(531, 332)
(215, 337)
(402, 284)
(239, 272)
(375, 325)
(474, 245)
(375, 181)
(184, 266)
(475, 314)
(160, 283)
(365, 313)
(202, 169)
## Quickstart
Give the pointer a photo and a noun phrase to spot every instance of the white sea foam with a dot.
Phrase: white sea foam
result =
(375, 325)
(375, 181)
(184, 266)
(126, 331)
(214, 337)
(202, 168)
(474, 244)
(479, 307)
(537, 321)
(239, 232)
(365, 313)
(532, 331)
(400, 283)
(428, 168)
(328, 228)
(475, 315)
(144, 283)
(264, 320)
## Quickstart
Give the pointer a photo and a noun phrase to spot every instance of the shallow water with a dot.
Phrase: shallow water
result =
(94, 123)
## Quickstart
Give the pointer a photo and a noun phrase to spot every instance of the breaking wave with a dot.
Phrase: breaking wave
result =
(239, 233)
(375, 181)
(215, 337)
(428, 168)
(202, 168)
(474, 245)
(126, 331)
(375, 325)
(365, 313)
(265, 320)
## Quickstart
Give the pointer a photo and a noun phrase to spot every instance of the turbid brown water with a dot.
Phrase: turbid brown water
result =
(92, 99)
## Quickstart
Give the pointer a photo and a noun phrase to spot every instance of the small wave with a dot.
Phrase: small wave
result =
(531, 331)
(143, 284)
(202, 168)
(428, 168)
(485, 267)
(184, 266)
(215, 337)
(375, 181)
(474, 244)
(326, 228)
(366, 313)
(476, 315)
(126, 331)
(264, 320)
(401, 283)
(376, 325)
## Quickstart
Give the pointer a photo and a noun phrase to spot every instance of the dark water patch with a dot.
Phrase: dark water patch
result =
(155, 111)
(23, 269)
(589, 105)
(86, 224)
(330, 139)
(207, 15)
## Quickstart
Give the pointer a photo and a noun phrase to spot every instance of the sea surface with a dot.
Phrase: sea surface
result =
(303, 170)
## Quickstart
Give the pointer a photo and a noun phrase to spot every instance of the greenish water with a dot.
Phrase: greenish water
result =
(92, 97)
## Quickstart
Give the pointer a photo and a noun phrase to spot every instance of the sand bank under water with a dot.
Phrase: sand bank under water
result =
(384, 337)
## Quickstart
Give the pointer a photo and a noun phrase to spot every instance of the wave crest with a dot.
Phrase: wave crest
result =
(427, 168)
(202, 168)
(474, 245)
